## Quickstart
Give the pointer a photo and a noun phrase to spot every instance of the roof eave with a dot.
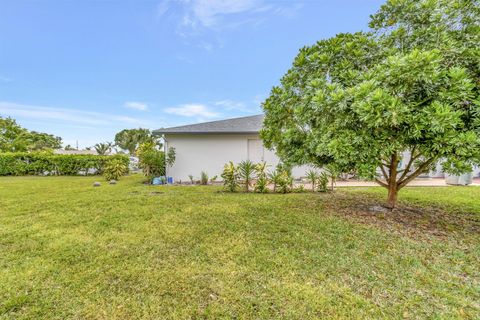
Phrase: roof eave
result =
(160, 132)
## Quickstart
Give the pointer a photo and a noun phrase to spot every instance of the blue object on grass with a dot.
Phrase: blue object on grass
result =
(159, 180)
(170, 180)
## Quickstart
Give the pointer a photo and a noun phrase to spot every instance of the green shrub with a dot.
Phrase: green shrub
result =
(230, 177)
(261, 186)
(203, 178)
(43, 163)
(114, 169)
(151, 160)
(323, 182)
(285, 181)
(312, 177)
(299, 189)
(275, 177)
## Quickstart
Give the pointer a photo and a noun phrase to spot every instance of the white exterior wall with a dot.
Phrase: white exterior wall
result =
(210, 152)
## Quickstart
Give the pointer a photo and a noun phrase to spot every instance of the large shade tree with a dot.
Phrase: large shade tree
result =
(407, 91)
(15, 138)
(131, 139)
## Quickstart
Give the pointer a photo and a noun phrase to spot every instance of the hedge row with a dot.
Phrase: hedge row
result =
(23, 163)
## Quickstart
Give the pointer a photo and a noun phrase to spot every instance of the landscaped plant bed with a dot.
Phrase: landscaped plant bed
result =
(408, 218)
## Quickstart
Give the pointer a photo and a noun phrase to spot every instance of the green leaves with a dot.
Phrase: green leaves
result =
(355, 100)
(247, 172)
(131, 139)
(44, 163)
(14, 138)
(230, 176)
(114, 169)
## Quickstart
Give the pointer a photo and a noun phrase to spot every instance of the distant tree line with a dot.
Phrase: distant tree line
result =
(14, 138)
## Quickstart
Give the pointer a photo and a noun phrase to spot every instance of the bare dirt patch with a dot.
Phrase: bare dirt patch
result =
(413, 220)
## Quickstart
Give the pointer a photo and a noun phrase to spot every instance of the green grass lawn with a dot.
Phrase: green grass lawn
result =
(129, 251)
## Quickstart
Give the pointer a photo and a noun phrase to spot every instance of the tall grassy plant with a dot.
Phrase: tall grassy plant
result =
(312, 177)
(246, 171)
(275, 177)
(261, 186)
(323, 182)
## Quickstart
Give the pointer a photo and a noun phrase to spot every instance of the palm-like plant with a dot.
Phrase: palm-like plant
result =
(261, 185)
(312, 177)
(103, 148)
(246, 170)
(333, 173)
(275, 177)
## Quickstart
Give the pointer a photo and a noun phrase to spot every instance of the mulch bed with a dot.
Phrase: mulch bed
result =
(412, 220)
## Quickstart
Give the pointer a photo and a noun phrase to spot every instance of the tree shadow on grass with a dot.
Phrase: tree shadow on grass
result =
(413, 220)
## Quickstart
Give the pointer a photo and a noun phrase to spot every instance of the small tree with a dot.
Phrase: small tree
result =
(366, 101)
(131, 139)
(246, 170)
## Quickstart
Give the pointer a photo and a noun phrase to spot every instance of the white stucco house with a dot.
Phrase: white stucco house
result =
(209, 146)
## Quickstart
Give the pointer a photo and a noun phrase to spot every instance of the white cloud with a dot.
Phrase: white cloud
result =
(195, 15)
(69, 116)
(208, 12)
(192, 110)
(136, 105)
(231, 105)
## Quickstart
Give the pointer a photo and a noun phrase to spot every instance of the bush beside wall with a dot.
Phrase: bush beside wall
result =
(24, 163)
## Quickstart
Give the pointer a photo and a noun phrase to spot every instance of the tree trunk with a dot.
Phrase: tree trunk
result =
(392, 195)
(392, 182)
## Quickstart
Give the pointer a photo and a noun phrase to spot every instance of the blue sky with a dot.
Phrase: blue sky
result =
(84, 70)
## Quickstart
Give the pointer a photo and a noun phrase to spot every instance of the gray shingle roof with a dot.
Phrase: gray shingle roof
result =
(251, 124)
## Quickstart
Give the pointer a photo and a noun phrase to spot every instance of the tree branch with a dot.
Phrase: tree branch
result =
(393, 169)
(383, 184)
(385, 175)
(416, 173)
(409, 164)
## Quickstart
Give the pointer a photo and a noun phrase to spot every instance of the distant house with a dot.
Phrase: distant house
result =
(209, 146)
